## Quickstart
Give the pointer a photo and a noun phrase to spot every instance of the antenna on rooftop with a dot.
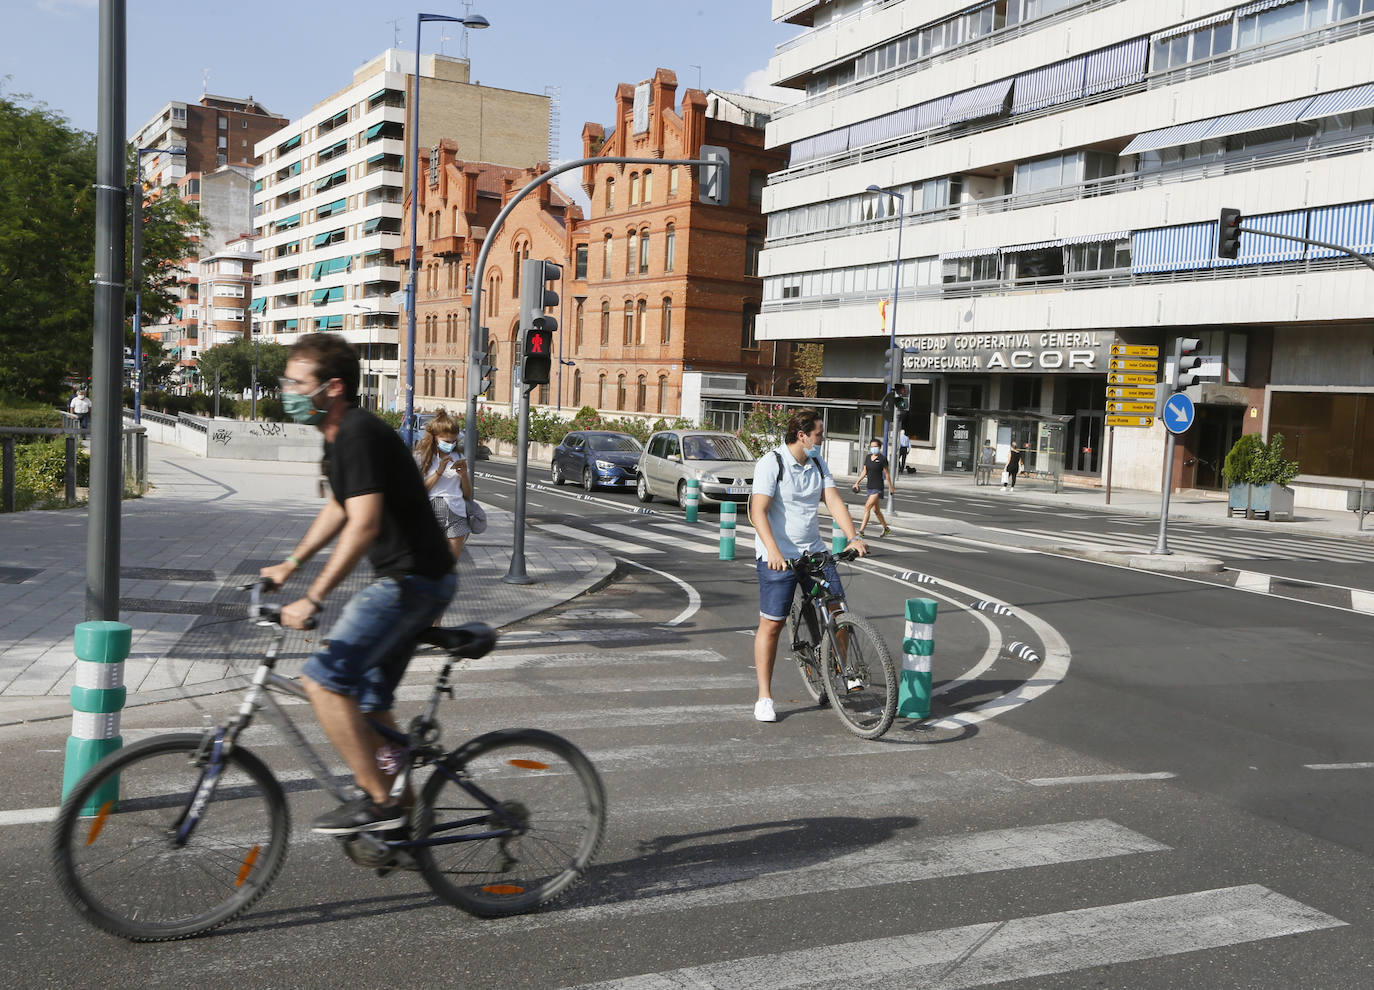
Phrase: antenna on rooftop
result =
(395, 23)
(555, 95)
(204, 81)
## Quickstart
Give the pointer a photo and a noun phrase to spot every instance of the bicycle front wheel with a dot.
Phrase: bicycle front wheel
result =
(512, 818)
(118, 856)
(860, 677)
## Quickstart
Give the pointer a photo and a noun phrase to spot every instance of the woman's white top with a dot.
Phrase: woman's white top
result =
(449, 487)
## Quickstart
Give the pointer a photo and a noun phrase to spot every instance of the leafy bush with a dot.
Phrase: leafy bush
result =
(1250, 461)
(30, 418)
(391, 418)
(762, 428)
(40, 471)
(1236, 468)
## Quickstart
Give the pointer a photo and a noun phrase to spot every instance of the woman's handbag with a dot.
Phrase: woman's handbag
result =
(477, 518)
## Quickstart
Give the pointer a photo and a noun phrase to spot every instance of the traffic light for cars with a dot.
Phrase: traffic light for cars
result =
(1186, 362)
(892, 370)
(900, 398)
(1228, 234)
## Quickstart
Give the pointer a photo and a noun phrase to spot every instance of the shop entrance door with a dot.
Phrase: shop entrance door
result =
(1085, 442)
(1216, 430)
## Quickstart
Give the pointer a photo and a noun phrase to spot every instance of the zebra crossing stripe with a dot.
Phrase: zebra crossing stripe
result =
(1016, 949)
(584, 536)
(1252, 581)
(640, 533)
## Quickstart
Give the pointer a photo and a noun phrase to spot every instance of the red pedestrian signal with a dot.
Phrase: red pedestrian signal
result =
(537, 364)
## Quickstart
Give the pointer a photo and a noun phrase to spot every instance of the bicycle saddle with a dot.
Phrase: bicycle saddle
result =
(471, 640)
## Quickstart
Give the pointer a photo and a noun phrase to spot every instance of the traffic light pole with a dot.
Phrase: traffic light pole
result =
(1363, 258)
(515, 574)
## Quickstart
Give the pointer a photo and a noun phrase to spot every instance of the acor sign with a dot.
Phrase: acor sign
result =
(1049, 351)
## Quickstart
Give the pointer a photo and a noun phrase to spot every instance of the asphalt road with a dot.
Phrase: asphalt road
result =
(1176, 794)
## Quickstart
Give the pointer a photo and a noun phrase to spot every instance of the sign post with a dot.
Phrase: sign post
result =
(1131, 372)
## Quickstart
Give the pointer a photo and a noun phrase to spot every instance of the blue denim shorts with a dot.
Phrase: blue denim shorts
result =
(776, 588)
(371, 644)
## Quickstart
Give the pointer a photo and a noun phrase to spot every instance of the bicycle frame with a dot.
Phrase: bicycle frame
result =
(817, 598)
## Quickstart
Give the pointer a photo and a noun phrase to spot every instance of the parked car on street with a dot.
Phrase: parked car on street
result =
(719, 461)
(596, 458)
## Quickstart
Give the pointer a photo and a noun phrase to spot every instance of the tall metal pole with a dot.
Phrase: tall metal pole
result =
(408, 420)
(515, 574)
(891, 448)
(107, 354)
(136, 270)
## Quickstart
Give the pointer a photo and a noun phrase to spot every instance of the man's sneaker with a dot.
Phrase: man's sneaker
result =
(854, 683)
(763, 710)
(361, 814)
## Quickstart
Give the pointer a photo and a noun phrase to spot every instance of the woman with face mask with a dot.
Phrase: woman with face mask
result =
(875, 469)
(446, 479)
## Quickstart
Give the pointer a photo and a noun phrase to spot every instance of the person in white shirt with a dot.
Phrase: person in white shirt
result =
(80, 407)
(446, 479)
(903, 449)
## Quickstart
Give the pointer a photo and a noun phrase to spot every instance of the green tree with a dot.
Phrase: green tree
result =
(234, 361)
(808, 362)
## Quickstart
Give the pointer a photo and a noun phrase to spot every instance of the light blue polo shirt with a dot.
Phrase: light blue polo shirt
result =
(796, 498)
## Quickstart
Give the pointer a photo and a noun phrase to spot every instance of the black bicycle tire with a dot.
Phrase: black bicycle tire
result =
(423, 821)
(884, 659)
(98, 914)
(815, 689)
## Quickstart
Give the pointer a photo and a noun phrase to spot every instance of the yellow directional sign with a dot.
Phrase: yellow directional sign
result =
(1130, 421)
(1126, 392)
(1125, 378)
(1135, 350)
(1147, 408)
(1131, 364)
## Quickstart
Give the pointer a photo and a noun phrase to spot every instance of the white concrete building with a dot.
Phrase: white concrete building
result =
(1062, 166)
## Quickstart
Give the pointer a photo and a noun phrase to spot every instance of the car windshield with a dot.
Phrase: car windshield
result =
(714, 448)
(614, 442)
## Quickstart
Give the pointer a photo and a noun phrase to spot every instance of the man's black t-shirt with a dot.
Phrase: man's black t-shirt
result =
(366, 457)
(873, 470)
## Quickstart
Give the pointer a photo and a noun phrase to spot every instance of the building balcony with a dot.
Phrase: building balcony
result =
(447, 246)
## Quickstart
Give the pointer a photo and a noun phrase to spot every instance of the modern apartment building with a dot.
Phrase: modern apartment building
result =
(1061, 166)
(217, 131)
(329, 195)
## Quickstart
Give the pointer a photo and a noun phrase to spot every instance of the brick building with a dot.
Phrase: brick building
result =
(219, 130)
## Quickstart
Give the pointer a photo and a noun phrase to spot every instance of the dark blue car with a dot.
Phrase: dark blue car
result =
(596, 458)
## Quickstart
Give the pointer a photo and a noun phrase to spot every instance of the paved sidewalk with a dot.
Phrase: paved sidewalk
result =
(186, 549)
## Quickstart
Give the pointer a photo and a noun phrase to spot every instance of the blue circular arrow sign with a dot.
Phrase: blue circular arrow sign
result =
(1179, 413)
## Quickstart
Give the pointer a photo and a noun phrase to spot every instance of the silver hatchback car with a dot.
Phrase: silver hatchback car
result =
(719, 461)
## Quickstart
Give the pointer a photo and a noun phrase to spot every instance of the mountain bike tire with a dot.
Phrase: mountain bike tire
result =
(863, 682)
(121, 868)
(543, 783)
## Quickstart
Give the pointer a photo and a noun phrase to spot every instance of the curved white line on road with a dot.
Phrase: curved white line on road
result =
(693, 596)
(1053, 669)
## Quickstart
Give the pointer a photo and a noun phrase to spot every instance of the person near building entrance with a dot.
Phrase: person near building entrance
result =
(379, 508)
(903, 449)
(987, 462)
(80, 407)
(790, 482)
(1013, 466)
(875, 469)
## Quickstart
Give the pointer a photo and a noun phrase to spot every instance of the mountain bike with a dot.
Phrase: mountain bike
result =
(840, 654)
(180, 833)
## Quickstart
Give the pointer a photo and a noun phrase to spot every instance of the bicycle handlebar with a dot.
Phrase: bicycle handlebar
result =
(258, 609)
(822, 557)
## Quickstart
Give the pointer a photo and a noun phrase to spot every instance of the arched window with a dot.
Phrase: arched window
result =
(641, 392)
(577, 326)
(606, 257)
(577, 387)
(515, 273)
(644, 251)
(669, 247)
(601, 391)
(667, 321)
(641, 314)
(647, 193)
(605, 323)
(629, 323)
(634, 188)
(662, 393)
(610, 194)
(620, 391)
(631, 249)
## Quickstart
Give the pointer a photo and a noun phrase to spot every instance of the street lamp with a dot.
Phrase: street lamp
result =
(474, 21)
(137, 200)
(892, 324)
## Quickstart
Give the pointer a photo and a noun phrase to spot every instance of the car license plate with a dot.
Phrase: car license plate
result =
(737, 491)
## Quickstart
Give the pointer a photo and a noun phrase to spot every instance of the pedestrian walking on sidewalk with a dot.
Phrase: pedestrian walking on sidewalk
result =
(80, 407)
(1013, 466)
(987, 463)
(875, 468)
(790, 482)
(378, 506)
(446, 479)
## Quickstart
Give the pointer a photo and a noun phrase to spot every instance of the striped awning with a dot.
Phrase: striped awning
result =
(1115, 235)
(1350, 224)
(1257, 249)
(1257, 119)
(1033, 246)
(1169, 137)
(1045, 87)
(1119, 65)
(1341, 101)
(819, 146)
(981, 101)
(1191, 26)
(884, 128)
(1174, 249)
(1261, 5)
(967, 253)
(932, 114)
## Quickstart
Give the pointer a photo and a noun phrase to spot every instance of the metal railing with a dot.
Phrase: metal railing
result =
(134, 440)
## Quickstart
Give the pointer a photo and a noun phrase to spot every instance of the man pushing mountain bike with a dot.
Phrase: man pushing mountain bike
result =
(790, 482)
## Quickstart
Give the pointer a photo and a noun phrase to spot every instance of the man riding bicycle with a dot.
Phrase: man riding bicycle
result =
(790, 482)
(378, 507)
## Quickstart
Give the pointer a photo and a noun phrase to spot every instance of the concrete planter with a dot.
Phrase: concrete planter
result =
(1256, 500)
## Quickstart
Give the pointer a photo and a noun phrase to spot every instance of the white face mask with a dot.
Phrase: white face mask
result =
(447, 445)
(875, 450)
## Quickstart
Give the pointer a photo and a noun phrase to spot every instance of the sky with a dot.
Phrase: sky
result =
(290, 54)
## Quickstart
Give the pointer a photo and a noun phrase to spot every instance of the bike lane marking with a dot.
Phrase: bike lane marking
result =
(693, 596)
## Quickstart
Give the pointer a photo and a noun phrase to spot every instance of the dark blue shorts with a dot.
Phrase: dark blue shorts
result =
(777, 588)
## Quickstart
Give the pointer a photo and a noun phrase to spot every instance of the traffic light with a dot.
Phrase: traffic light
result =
(892, 370)
(536, 296)
(1186, 362)
(486, 366)
(901, 399)
(713, 181)
(1228, 234)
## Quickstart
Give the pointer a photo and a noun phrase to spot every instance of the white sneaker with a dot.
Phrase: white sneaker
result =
(854, 683)
(763, 710)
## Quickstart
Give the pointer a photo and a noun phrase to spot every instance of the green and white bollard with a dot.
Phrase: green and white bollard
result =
(918, 648)
(727, 531)
(693, 498)
(838, 541)
(97, 699)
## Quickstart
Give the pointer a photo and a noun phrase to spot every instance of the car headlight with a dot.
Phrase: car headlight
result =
(604, 465)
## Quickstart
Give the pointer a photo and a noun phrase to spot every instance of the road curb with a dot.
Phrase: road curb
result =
(1173, 563)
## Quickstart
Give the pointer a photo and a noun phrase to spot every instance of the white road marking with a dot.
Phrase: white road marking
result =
(1015, 949)
(693, 596)
(642, 533)
(1099, 778)
(1361, 601)
(1338, 766)
(607, 542)
(1252, 581)
(28, 816)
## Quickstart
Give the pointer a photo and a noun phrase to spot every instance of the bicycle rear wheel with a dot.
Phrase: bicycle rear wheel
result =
(861, 679)
(804, 650)
(122, 867)
(548, 822)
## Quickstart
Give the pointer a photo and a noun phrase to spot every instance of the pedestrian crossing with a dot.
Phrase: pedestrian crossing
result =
(1235, 546)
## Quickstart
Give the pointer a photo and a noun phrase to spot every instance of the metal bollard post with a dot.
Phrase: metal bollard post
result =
(727, 531)
(97, 699)
(918, 649)
(693, 498)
